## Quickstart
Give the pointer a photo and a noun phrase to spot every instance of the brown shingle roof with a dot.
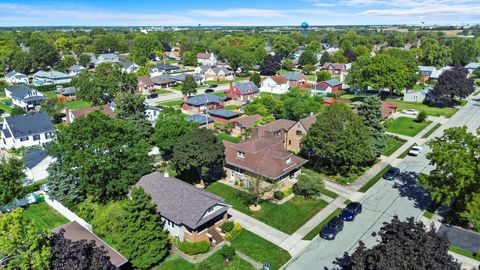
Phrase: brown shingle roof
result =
(274, 126)
(335, 65)
(76, 232)
(248, 121)
(308, 121)
(388, 108)
(102, 108)
(279, 79)
(146, 80)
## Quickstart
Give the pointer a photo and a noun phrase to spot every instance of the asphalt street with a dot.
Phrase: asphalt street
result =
(384, 200)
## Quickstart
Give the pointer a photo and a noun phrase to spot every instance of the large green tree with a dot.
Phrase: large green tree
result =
(338, 142)
(464, 51)
(63, 185)
(307, 58)
(21, 62)
(168, 128)
(434, 54)
(189, 59)
(238, 56)
(107, 155)
(283, 46)
(11, 180)
(43, 54)
(189, 85)
(144, 47)
(296, 104)
(371, 113)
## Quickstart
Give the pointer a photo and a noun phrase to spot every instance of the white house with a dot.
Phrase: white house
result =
(106, 58)
(206, 59)
(50, 77)
(152, 113)
(25, 97)
(14, 77)
(35, 129)
(75, 70)
(471, 67)
(416, 96)
(129, 67)
(36, 164)
(274, 84)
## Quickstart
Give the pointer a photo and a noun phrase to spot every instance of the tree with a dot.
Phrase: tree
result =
(106, 44)
(464, 51)
(270, 65)
(168, 128)
(238, 56)
(143, 240)
(296, 104)
(421, 116)
(145, 47)
(23, 246)
(361, 50)
(472, 211)
(67, 62)
(68, 254)
(189, 59)
(189, 85)
(338, 141)
(434, 54)
(21, 62)
(308, 184)
(17, 111)
(409, 59)
(371, 113)
(452, 84)
(308, 69)
(142, 71)
(263, 106)
(43, 54)
(323, 75)
(198, 156)
(314, 46)
(228, 252)
(283, 46)
(256, 79)
(108, 219)
(325, 58)
(130, 106)
(338, 57)
(404, 245)
(454, 181)
(108, 155)
(288, 64)
(63, 185)
(84, 60)
(307, 58)
(11, 180)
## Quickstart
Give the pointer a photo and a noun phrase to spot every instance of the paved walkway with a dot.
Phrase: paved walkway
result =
(251, 261)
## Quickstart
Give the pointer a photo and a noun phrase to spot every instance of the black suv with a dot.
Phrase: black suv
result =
(333, 227)
(391, 174)
(351, 211)
(152, 95)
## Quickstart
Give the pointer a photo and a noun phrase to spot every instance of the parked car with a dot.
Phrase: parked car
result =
(391, 174)
(209, 90)
(214, 85)
(332, 228)
(414, 151)
(410, 112)
(152, 95)
(351, 211)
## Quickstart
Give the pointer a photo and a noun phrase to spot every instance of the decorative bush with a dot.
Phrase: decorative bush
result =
(227, 226)
(236, 230)
(194, 248)
(287, 191)
(278, 195)
(227, 252)
(421, 116)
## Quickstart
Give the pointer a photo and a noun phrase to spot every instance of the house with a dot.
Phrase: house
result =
(25, 97)
(210, 73)
(106, 58)
(223, 116)
(36, 164)
(129, 67)
(152, 113)
(263, 157)
(274, 84)
(327, 101)
(14, 77)
(244, 123)
(277, 129)
(163, 81)
(416, 96)
(145, 85)
(206, 59)
(71, 115)
(296, 79)
(296, 133)
(200, 103)
(75, 70)
(191, 214)
(243, 91)
(180, 77)
(75, 232)
(160, 69)
(327, 87)
(35, 129)
(388, 109)
(430, 72)
(70, 92)
(200, 119)
(471, 67)
(50, 77)
(336, 69)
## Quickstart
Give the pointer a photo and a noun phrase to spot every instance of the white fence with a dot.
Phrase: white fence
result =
(67, 213)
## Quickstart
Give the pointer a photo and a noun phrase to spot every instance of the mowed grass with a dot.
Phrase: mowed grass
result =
(319, 227)
(77, 104)
(391, 145)
(4, 107)
(429, 110)
(374, 179)
(463, 252)
(44, 217)
(226, 137)
(287, 217)
(430, 132)
(172, 103)
(260, 249)
(215, 261)
(406, 126)
(231, 107)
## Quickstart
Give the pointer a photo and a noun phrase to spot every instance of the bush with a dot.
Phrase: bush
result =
(227, 226)
(236, 230)
(278, 195)
(421, 116)
(194, 248)
(227, 252)
(287, 191)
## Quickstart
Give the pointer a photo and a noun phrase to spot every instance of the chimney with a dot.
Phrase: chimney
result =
(67, 116)
(185, 98)
(165, 173)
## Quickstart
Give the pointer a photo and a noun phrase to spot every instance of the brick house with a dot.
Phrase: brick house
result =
(200, 103)
(223, 116)
(277, 129)
(191, 214)
(331, 86)
(296, 79)
(336, 69)
(298, 131)
(145, 85)
(244, 123)
(245, 91)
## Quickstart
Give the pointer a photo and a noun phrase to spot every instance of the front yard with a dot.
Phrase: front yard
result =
(430, 110)
(215, 261)
(77, 104)
(172, 103)
(287, 217)
(406, 126)
(43, 216)
(391, 145)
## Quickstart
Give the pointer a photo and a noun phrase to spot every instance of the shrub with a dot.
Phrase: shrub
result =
(278, 195)
(287, 191)
(236, 230)
(421, 116)
(194, 248)
(227, 252)
(227, 226)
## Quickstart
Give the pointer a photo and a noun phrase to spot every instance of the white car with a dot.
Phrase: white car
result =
(410, 112)
(414, 151)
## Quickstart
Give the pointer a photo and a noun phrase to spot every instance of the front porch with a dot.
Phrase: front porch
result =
(209, 232)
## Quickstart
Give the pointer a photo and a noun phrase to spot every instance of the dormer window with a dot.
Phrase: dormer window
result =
(289, 160)
(277, 133)
(240, 154)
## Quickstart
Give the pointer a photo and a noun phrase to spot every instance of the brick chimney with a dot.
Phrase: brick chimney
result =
(67, 116)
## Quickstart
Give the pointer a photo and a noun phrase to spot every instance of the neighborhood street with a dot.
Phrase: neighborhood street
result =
(384, 200)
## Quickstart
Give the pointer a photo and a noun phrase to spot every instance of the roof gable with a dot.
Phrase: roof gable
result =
(29, 124)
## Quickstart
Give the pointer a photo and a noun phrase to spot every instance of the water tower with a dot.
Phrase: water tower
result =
(304, 26)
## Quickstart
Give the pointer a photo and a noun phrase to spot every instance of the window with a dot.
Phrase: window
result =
(299, 133)
(240, 154)
(289, 142)
(36, 137)
(48, 135)
(22, 139)
(288, 160)
(277, 133)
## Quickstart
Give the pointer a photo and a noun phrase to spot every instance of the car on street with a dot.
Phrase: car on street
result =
(414, 151)
(214, 85)
(410, 112)
(351, 211)
(152, 95)
(209, 90)
(332, 228)
(391, 174)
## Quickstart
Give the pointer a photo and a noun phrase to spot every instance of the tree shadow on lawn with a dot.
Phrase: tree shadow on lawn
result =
(408, 187)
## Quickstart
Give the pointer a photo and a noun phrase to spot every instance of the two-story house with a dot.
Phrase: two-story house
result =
(209, 73)
(277, 129)
(35, 129)
(189, 213)
(331, 86)
(145, 85)
(14, 77)
(206, 59)
(25, 97)
(50, 77)
(296, 133)
(243, 91)
(274, 84)
(336, 69)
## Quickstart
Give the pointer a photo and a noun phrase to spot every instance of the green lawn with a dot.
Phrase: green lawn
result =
(44, 217)
(406, 126)
(464, 252)
(220, 94)
(418, 87)
(77, 104)
(173, 103)
(430, 132)
(375, 179)
(311, 77)
(236, 79)
(405, 153)
(226, 137)
(177, 87)
(287, 217)
(260, 249)
(4, 107)
(161, 91)
(50, 94)
(430, 110)
(215, 261)
(231, 107)
(428, 214)
(391, 145)
(461, 102)
(319, 227)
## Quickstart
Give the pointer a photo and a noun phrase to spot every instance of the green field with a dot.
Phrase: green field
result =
(77, 104)
(391, 145)
(374, 179)
(406, 126)
(260, 249)
(287, 217)
(319, 227)
(43, 216)
(430, 110)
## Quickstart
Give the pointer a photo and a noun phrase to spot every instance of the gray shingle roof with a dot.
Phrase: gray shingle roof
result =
(75, 68)
(333, 82)
(29, 124)
(201, 100)
(293, 76)
(33, 157)
(224, 113)
(15, 74)
(162, 79)
(22, 92)
(51, 74)
(247, 88)
(179, 201)
(200, 119)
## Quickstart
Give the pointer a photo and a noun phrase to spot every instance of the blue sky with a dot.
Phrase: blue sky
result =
(234, 12)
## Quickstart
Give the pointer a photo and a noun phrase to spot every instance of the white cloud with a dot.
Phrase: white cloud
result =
(238, 12)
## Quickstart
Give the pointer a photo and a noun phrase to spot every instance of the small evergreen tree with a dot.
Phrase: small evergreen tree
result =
(370, 111)
(189, 85)
(256, 79)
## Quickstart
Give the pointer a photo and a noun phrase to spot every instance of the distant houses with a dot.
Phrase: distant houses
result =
(50, 77)
(331, 86)
(207, 59)
(35, 129)
(14, 77)
(74, 70)
(211, 73)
